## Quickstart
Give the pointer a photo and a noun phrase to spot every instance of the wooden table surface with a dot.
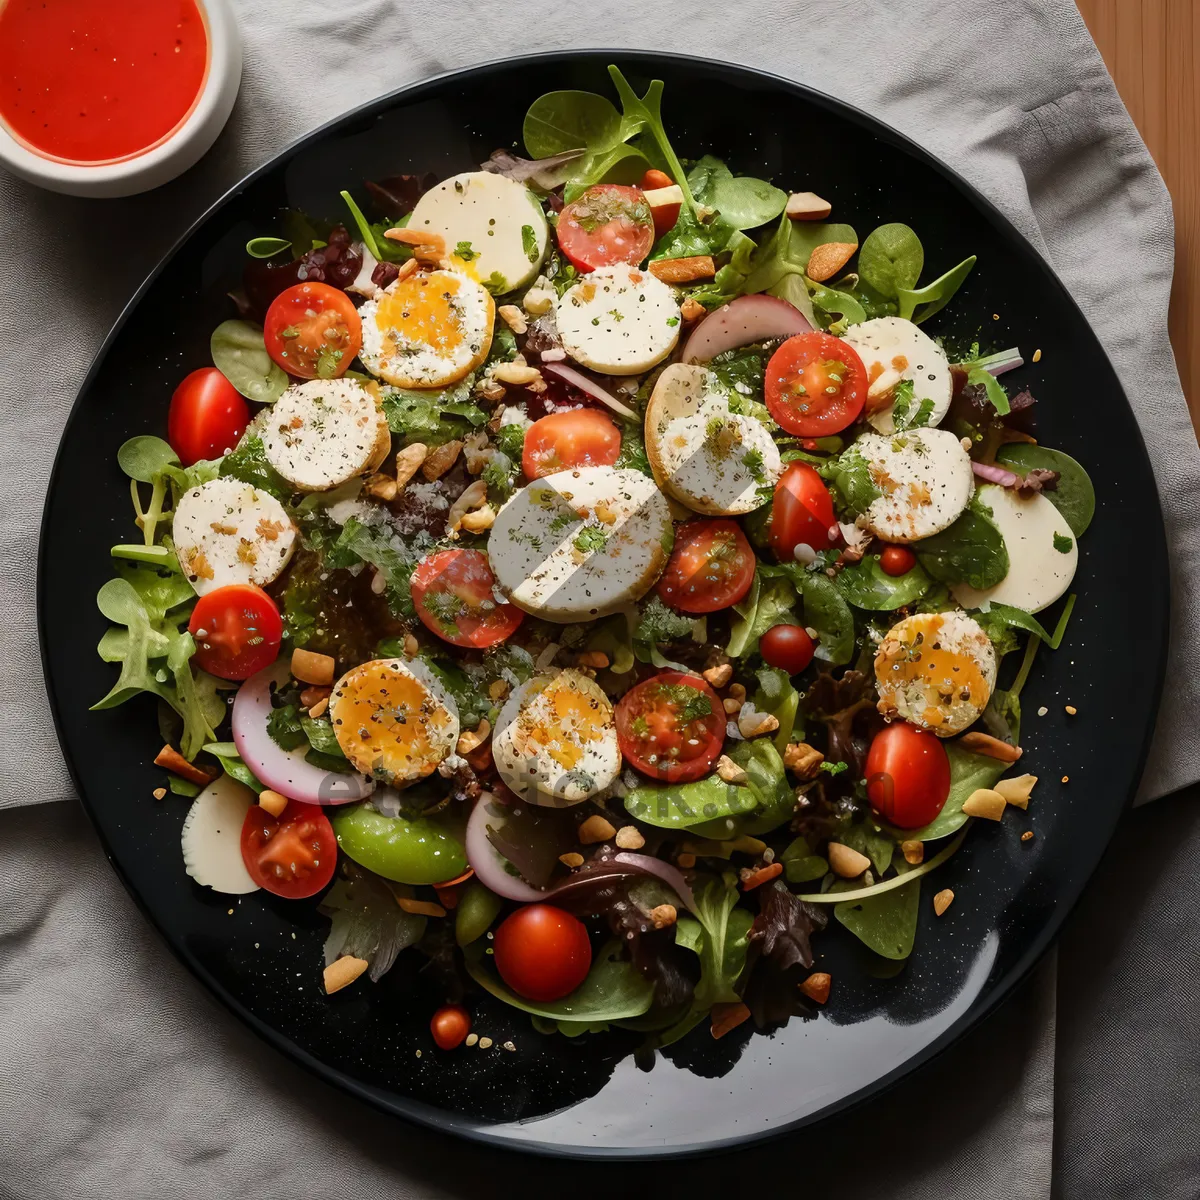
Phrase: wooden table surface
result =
(1150, 48)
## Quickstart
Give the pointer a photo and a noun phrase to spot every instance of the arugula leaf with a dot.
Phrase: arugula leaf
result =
(866, 585)
(239, 353)
(891, 259)
(248, 463)
(933, 297)
(1072, 494)
(971, 551)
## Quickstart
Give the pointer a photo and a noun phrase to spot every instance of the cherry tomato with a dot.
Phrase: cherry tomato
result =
(542, 953)
(671, 727)
(454, 594)
(582, 437)
(313, 331)
(815, 384)
(654, 178)
(801, 512)
(710, 568)
(450, 1026)
(292, 855)
(207, 416)
(665, 214)
(606, 224)
(237, 630)
(908, 775)
(787, 647)
(897, 560)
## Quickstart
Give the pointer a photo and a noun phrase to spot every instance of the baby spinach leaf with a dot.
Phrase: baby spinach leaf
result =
(1018, 618)
(249, 464)
(971, 551)
(145, 458)
(866, 585)
(775, 695)
(886, 923)
(968, 773)
(688, 237)
(876, 843)
(769, 601)
(232, 764)
(267, 247)
(1073, 494)
(570, 120)
(742, 202)
(790, 247)
(687, 805)
(854, 489)
(239, 353)
(891, 259)
(920, 304)
(800, 864)
(836, 304)
(792, 288)
(824, 610)
(284, 728)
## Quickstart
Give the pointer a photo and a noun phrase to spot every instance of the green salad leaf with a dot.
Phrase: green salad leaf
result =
(968, 773)
(571, 120)
(239, 353)
(971, 551)
(433, 416)
(891, 259)
(800, 864)
(1073, 494)
(145, 458)
(886, 923)
(920, 304)
(267, 247)
(248, 462)
(770, 601)
(365, 921)
(865, 584)
(380, 546)
(233, 765)
(741, 201)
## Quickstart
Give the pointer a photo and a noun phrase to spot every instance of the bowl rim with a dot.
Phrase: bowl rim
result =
(444, 1120)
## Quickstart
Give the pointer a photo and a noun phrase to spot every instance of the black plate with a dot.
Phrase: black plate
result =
(584, 1096)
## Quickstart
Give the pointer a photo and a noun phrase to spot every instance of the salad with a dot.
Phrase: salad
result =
(593, 573)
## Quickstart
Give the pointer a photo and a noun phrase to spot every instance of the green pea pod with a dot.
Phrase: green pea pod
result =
(477, 909)
(421, 851)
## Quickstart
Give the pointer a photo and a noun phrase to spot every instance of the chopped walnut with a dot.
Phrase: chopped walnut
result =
(439, 460)
(803, 760)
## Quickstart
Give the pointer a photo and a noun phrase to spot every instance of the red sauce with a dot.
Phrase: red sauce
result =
(88, 81)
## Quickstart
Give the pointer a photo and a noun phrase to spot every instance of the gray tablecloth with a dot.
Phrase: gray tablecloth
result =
(121, 1079)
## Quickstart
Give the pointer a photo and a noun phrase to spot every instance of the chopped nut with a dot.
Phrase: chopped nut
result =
(475, 496)
(470, 739)
(802, 759)
(727, 1016)
(686, 861)
(1017, 790)
(731, 706)
(489, 389)
(173, 761)
(513, 317)
(752, 878)
(691, 309)
(827, 260)
(273, 802)
(538, 301)
(518, 374)
(319, 709)
(407, 462)
(629, 837)
(1037, 356)
(159, 793)
(407, 268)
(313, 695)
(485, 1043)
(593, 658)
(752, 723)
(719, 676)
(479, 520)
(737, 691)
(816, 986)
(510, 1046)
(411, 646)
(1027, 836)
(440, 459)
(310, 667)
(381, 487)
(421, 908)
(571, 860)
(913, 851)
(882, 387)
(942, 901)
(663, 916)
(684, 270)
(807, 206)
(985, 803)
(729, 771)
(595, 829)
(472, 1038)
(845, 862)
(481, 758)
(1065, 779)
(984, 743)
(343, 972)
(498, 689)
(1071, 710)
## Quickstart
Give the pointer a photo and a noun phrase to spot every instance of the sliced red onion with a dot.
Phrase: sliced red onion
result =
(286, 771)
(669, 874)
(490, 866)
(743, 321)
(585, 385)
(994, 474)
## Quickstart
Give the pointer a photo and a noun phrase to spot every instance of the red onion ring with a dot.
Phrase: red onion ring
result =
(585, 385)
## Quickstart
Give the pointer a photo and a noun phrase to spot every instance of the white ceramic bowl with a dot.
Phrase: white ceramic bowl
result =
(163, 162)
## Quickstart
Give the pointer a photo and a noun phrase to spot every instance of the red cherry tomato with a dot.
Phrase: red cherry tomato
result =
(815, 384)
(710, 568)
(542, 953)
(654, 178)
(207, 416)
(454, 594)
(313, 331)
(908, 775)
(606, 224)
(450, 1026)
(897, 560)
(671, 727)
(801, 512)
(292, 855)
(787, 647)
(582, 437)
(237, 630)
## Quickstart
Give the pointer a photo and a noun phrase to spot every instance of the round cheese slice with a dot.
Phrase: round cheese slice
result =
(579, 544)
(556, 739)
(393, 719)
(894, 344)
(212, 837)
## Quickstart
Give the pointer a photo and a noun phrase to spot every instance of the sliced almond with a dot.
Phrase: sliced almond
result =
(816, 986)
(719, 676)
(408, 461)
(913, 851)
(729, 771)
(845, 862)
(513, 317)
(571, 860)
(942, 901)
(517, 374)
(595, 829)
(828, 259)
(343, 972)
(882, 387)
(1017, 790)
(807, 206)
(439, 460)
(684, 270)
(985, 803)
(629, 837)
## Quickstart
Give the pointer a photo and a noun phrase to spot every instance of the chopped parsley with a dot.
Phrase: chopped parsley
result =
(834, 768)
(1062, 544)
(690, 704)
(752, 460)
(496, 284)
(529, 243)
(465, 251)
(589, 538)
(445, 608)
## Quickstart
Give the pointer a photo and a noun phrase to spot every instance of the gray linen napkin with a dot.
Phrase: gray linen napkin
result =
(120, 1078)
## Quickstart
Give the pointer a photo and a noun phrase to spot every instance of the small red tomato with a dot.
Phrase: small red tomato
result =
(542, 953)
(237, 629)
(605, 224)
(787, 647)
(450, 1026)
(654, 178)
(291, 855)
(897, 560)
(313, 331)
(711, 567)
(908, 775)
(207, 416)
(801, 512)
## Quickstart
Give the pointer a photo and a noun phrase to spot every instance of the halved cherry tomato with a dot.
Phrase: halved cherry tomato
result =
(671, 727)
(207, 416)
(582, 437)
(801, 512)
(292, 855)
(897, 560)
(908, 775)
(450, 1026)
(710, 568)
(787, 647)
(454, 594)
(237, 630)
(542, 953)
(313, 331)
(815, 384)
(606, 224)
